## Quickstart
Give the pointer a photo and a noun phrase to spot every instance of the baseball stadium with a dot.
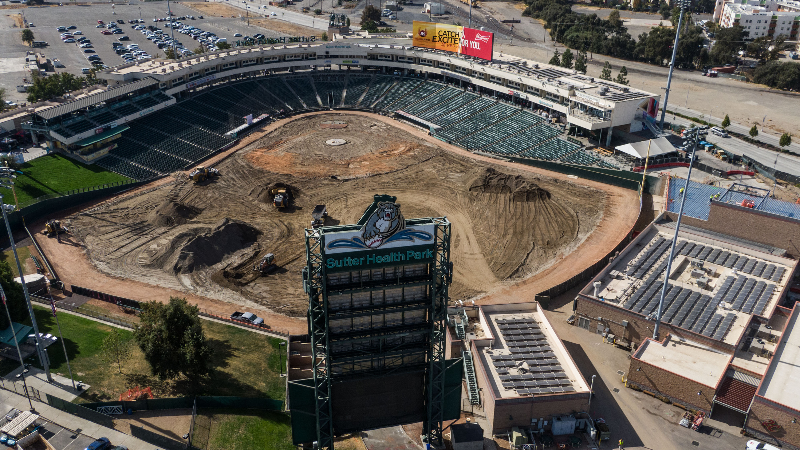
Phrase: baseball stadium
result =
(294, 142)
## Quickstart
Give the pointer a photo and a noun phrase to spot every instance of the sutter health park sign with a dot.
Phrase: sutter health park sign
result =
(371, 258)
(453, 38)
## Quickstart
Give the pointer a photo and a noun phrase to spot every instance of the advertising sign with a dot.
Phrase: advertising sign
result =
(453, 38)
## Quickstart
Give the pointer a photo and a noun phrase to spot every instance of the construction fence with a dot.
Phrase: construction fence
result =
(20, 388)
(53, 203)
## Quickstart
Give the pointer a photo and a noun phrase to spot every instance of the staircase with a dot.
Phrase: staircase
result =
(654, 129)
(472, 382)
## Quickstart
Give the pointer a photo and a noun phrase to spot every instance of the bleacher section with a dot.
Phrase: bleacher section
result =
(179, 136)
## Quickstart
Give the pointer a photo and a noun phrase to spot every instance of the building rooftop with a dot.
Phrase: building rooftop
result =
(716, 284)
(780, 381)
(523, 356)
(698, 195)
(82, 102)
(685, 358)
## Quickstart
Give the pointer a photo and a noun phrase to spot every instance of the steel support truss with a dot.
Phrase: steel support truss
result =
(438, 316)
(318, 319)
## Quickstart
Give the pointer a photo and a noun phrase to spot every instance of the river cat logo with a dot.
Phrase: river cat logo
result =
(423, 32)
(386, 224)
(482, 38)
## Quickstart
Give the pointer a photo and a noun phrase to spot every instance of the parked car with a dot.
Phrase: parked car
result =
(86, 70)
(106, 32)
(69, 41)
(88, 50)
(72, 27)
(237, 34)
(61, 29)
(101, 444)
(78, 32)
(757, 445)
(247, 317)
(124, 38)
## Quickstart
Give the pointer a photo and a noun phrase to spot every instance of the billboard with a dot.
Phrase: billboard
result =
(453, 38)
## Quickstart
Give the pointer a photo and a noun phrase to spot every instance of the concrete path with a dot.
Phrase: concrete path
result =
(391, 438)
(10, 400)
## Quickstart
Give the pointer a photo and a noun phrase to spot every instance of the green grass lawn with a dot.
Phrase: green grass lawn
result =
(223, 429)
(244, 364)
(52, 174)
(8, 256)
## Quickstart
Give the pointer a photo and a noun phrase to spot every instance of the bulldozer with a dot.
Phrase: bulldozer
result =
(281, 196)
(201, 174)
(266, 264)
(53, 228)
(721, 155)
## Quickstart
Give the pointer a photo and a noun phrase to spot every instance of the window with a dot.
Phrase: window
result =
(583, 323)
(385, 57)
(426, 62)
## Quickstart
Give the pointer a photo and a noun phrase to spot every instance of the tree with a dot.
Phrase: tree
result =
(223, 45)
(347, 22)
(754, 131)
(27, 36)
(169, 53)
(369, 26)
(324, 36)
(675, 16)
(726, 122)
(614, 19)
(15, 300)
(556, 59)
(2, 98)
(370, 14)
(172, 339)
(786, 140)
(566, 59)
(580, 62)
(116, 348)
(665, 11)
(606, 73)
(636, 5)
(198, 51)
(622, 76)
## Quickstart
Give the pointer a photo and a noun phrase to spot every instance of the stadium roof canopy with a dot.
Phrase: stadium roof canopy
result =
(660, 146)
(89, 100)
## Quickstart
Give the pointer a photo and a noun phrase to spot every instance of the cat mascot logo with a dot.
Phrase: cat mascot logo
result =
(385, 225)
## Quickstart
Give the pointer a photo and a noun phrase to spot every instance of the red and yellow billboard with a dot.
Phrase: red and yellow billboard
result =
(453, 38)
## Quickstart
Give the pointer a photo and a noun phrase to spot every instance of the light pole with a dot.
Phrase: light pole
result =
(22, 374)
(6, 175)
(682, 4)
(693, 136)
(591, 393)
(283, 349)
(140, 14)
(470, 14)
(61, 337)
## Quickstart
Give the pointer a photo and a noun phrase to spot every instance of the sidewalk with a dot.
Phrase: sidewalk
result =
(71, 422)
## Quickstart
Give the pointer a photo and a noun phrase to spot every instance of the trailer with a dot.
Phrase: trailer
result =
(318, 216)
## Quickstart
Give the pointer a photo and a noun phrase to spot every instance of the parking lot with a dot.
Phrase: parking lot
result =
(84, 18)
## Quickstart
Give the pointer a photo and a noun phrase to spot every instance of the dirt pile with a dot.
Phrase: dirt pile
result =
(171, 213)
(212, 247)
(522, 189)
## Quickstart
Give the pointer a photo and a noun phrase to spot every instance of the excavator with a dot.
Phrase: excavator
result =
(266, 264)
(281, 196)
(201, 174)
(53, 228)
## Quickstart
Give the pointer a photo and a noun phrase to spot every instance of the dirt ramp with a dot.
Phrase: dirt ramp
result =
(522, 189)
(209, 248)
(170, 213)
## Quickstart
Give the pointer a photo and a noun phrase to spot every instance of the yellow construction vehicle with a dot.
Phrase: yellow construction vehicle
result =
(281, 196)
(266, 264)
(54, 227)
(201, 174)
(721, 155)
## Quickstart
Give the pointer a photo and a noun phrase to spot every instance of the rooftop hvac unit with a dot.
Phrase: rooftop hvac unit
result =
(625, 89)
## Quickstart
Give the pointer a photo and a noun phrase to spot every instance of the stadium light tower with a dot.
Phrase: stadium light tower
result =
(7, 176)
(692, 137)
(682, 4)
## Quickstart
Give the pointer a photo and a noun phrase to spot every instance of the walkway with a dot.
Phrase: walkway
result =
(85, 427)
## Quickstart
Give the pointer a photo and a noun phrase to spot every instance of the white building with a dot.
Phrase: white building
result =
(769, 18)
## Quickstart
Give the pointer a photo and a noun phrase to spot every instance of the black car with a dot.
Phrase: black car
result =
(120, 21)
(72, 27)
(124, 38)
(199, 17)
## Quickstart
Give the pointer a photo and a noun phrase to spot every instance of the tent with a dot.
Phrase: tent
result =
(659, 146)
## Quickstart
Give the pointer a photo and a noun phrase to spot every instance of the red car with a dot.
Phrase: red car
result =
(106, 32)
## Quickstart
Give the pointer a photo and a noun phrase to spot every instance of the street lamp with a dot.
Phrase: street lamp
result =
(6, 180)
(683, 4)
(591, 393)
(24, 371)
(283, 349)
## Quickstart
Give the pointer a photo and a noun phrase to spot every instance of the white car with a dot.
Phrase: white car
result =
(77, 32)
(758, 445)
(273, 14)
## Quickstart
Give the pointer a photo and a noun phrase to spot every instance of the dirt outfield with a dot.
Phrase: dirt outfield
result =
(510, 223)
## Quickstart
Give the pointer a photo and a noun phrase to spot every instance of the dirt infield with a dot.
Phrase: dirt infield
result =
(510, 223)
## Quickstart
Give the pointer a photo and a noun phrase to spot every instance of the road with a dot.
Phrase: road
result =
(764, 136)
(783, 162)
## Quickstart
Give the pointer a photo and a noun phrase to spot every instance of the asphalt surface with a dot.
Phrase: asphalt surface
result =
(59, 437)
(47, 20)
